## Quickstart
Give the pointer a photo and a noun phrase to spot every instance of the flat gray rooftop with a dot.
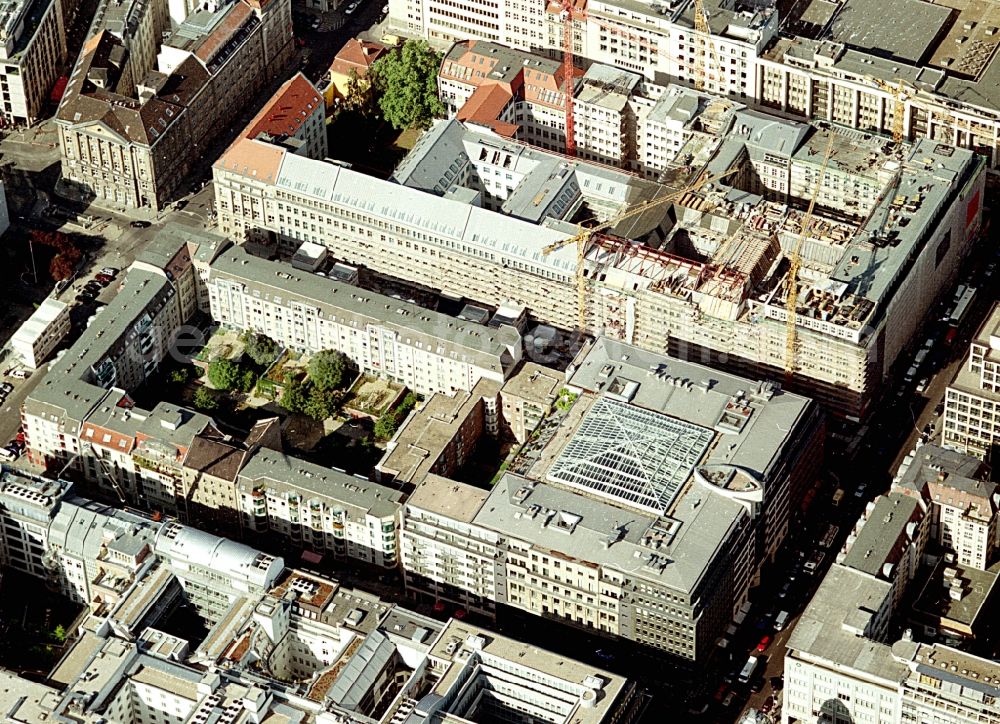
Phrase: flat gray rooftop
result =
(882, 535)
(830, 627)
(591, 530)
(902, 29)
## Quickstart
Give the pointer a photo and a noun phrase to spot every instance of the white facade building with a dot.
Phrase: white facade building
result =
(41, 332)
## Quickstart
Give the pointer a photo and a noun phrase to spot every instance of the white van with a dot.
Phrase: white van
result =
(748, 669)
(20, 373)
(781, 620)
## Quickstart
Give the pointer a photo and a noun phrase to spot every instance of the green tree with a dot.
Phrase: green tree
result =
(205, 400)
(360, 95)
(248, 378)
(321, 403)
(385, 425)
(295, 396)
(407, 84)
(59, 634)
(224, 374)
(179, 375)
(328, 368)
(260, 348)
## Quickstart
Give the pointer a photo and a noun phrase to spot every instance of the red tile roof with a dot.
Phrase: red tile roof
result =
(357, 55)
(287, 110)
(485, 106)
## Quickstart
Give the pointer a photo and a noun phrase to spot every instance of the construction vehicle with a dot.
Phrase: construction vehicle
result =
(583, 236)
(795, 262)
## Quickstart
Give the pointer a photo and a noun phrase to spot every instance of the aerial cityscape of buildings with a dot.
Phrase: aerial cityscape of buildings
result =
(646, 369)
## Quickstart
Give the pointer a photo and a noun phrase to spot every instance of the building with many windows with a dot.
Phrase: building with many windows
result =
(827, 65)
(41, 333)
(274, 645)
(698, 274)
(32, 53)
(154, 86)
(645, 509)
(906, 566)
(972, 400)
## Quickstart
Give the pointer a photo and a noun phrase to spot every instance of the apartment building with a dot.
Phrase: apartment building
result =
(480, 212)
(574, 531)
(27, 503)
(319, 509)
(156, 80)
(32, 53)
(526, 398)
(425, 350)
(41, 333)
(972, 400)
(444, 554)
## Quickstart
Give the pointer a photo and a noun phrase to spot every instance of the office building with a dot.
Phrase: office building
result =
(660, 478)
(41, 333)
(972, 400)
(155, 86)
(478, 213)
(32, 53)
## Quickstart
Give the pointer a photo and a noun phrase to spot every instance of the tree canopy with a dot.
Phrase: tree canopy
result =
(328, 369)
(67, 254)
(224, 374)
(295, 396)
(407, 82)
(260, 348)
(204, 400)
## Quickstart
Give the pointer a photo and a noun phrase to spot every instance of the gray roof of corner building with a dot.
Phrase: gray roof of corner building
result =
(823, 629)
(169, 239)
(336, 298)
(885, 526)
(930, 460)
(282, 472)
(80, 527)
(933, 172)
(706, 520)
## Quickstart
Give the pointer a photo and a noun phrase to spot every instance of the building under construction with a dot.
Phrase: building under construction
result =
(698, 269)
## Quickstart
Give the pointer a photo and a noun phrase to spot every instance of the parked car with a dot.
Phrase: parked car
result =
(6, 454)
(20, 373)
(720, 693)
(922, 385)
(728, 701)
(139, 224)
(351, 8)
(7, 388)
(103, 278)
(768, 704)
(860, 492)
(764, 643)
(84, 298)
(604, 655)
(110, 271)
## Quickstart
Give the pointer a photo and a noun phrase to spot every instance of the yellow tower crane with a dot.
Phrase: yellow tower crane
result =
(795, 261)
(900, 92)
(584, 233)
(705, 60)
